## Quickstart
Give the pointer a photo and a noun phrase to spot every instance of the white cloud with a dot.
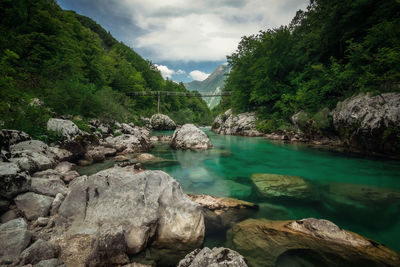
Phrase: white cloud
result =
(180, 72)
(182, 30)
(198, 75)
(165, 71)
(202, 30)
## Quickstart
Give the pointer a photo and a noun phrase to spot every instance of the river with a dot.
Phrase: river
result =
(225, 170)
(364, 196)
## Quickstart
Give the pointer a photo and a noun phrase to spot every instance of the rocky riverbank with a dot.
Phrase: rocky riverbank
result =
(366, 123)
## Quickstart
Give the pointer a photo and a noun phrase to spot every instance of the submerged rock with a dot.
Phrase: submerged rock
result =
(216, 257)
(359, 202)
(143, 204)
(241, 124)
(314, 242)
(162, 122)
(370, 123)
(15, 237)
(222, 212)
(190, 137)
(282, 186)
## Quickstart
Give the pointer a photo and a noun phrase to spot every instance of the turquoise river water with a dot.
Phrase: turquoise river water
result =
(360, 194)
(364, 196)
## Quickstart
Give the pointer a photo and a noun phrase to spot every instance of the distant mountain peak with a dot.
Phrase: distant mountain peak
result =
(212, 85)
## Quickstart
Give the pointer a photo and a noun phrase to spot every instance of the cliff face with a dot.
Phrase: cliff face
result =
(212, 85)
(369, 123)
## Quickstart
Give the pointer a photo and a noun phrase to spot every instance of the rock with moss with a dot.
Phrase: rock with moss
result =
(282, 186)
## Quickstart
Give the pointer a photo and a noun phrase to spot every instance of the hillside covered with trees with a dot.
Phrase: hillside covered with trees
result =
(75, 68)
(331, 51)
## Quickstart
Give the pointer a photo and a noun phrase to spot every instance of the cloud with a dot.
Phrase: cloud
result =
(198, 75)
(202, 30)
(165, 71)
(180, 72)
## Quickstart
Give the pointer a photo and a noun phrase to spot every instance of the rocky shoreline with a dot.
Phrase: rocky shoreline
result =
(363, 124)
(53, 216)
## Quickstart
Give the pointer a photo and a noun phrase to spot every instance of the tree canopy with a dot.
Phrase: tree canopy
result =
(75, 67)
(332, 50)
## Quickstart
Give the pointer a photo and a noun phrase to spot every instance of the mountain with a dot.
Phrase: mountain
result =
(212, 85)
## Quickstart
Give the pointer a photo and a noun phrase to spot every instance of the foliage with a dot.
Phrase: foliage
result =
(332, 50)
(75, 67)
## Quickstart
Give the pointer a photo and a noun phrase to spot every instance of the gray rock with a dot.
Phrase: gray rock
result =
(8, 216)
(14, 238)
(67, 128)
(12, 137)
(33, 205)
(128, 143)
(369, 123)
(99, 153)
(48, 187)
(241, 124)
(12, 181)
(42, 221)
(56, 204)
(109, 249)
(162, 122)
(61, 154)
(65, 166)
(69, 176)
(190, 137)
(38, 154)
(49, 263)
(144, 204)
(39, 251)
(216, 257)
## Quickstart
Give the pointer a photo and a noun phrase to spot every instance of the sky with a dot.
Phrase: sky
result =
(186, 39)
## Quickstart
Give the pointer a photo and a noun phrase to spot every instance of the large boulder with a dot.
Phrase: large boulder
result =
(33, 205)
(12, 180)
(162, 122)
(15, 237)
(67, 128)
(49, 187)
(223, 212)
(216, 257)
(32, 155)
(12, 137)
(310, 241)
(370, 123)
(241, 124)
(149, 206)
(190, 137)
(282, 186)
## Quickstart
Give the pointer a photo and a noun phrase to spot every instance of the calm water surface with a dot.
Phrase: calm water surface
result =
(226, 169)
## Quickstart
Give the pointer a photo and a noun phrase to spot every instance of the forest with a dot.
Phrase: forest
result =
(76, 68)
(332, 50)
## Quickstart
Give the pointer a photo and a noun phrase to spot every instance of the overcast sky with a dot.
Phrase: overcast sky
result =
(186, 39)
